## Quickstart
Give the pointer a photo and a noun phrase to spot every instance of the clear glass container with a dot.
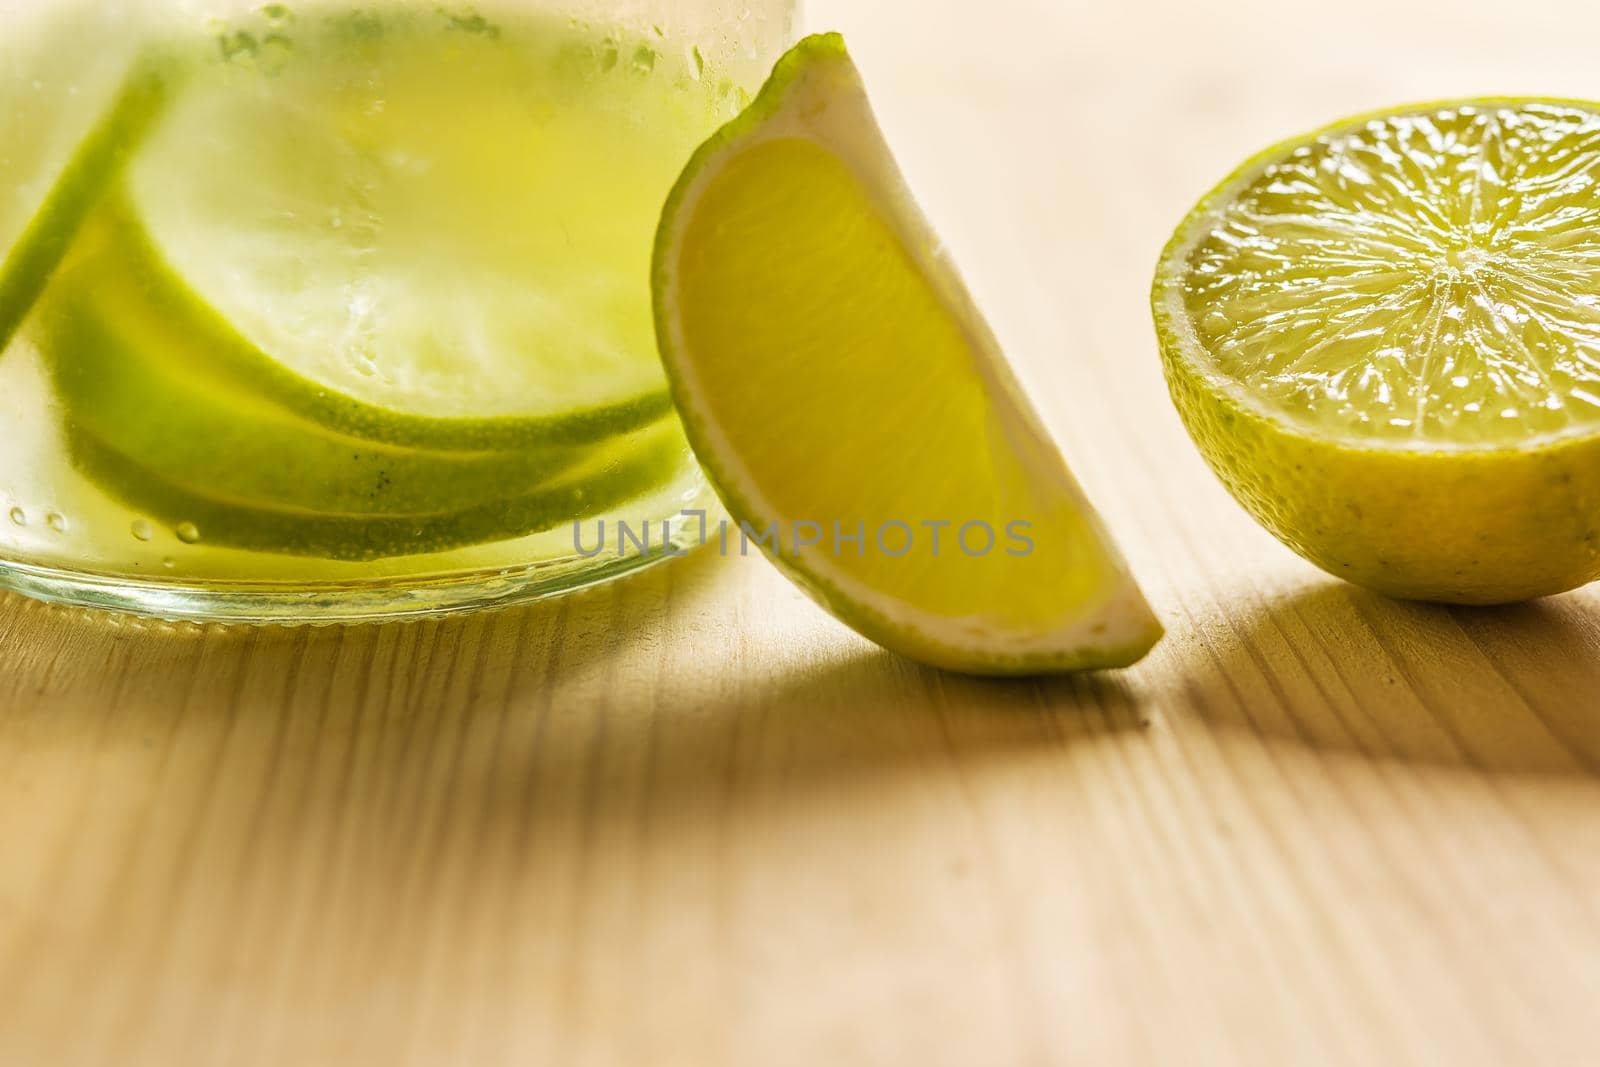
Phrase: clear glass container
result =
(340, 309)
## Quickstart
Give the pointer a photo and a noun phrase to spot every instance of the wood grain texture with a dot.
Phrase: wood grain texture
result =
(690, 820)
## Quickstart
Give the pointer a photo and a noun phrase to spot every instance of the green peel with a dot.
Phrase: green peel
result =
(197, 430)
(94, 168)
(606, 480)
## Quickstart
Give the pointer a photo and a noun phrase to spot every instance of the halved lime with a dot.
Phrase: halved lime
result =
(1385, 338)
(848, 399)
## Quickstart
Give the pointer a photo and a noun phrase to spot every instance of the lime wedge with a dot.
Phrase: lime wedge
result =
(31, 262)
(1385, 338)
(607, 477)
(835, 379)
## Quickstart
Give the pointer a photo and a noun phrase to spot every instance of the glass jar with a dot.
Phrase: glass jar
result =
(340, 309)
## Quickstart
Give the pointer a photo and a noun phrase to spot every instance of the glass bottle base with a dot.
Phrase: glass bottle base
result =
(327, 603)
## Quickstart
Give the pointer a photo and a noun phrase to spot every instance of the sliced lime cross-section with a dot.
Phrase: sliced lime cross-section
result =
(1385, 338)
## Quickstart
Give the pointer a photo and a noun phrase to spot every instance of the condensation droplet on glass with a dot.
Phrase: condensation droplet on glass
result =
(188, 533)
(169, 563)
(142, 530)
(56, 521)
(19, 516)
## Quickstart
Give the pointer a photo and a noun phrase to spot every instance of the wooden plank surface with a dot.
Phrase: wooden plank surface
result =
(690, 820)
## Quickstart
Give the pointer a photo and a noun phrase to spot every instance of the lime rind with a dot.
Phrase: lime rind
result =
(610, 477)
(93, 170)
(816, 76)
(176, 419)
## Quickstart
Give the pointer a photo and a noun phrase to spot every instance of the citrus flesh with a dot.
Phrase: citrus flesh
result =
(836, 381)
(1385, 339)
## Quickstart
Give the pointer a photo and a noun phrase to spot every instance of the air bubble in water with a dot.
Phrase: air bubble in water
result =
(142, 530)
(19, 516)
(56, 521)
(188, 533)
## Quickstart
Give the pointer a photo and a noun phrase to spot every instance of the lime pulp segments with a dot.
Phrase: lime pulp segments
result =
(1385, 339)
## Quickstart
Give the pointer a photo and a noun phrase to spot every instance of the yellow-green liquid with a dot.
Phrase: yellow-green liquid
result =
(437, 212)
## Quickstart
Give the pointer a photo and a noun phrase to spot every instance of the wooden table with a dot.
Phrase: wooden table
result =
(690, 820)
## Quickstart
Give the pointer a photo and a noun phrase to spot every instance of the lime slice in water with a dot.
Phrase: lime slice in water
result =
(442, 240)
(837, 382)
(607, 477)
(119, 371)
(31, 262)
(393, 337)
(153, 290)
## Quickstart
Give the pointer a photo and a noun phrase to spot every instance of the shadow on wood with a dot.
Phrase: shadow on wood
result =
(566, 714)
(1507, 690)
